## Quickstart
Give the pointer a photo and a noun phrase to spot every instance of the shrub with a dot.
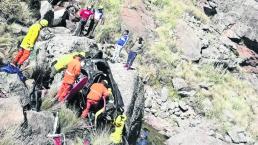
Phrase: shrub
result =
(110, 30)
(68, 119)
(101, 137)
(15, 9)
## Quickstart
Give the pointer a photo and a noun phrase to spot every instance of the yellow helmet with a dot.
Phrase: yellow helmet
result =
(82, 53)
(43, 23)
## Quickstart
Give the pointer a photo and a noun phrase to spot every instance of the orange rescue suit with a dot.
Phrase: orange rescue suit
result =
(97, 90)
(73, 71)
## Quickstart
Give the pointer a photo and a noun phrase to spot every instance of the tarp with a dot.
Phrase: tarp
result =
(77, 87)
(10, 69)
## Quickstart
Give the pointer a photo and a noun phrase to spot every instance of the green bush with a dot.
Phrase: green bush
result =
(112, 27)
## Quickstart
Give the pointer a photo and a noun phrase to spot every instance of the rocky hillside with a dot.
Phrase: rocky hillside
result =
(199, 67)
(195, 83)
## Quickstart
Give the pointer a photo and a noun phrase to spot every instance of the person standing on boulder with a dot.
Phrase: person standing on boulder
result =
(85, 14)
(28, 42)
(72, 72)
(98, 18)
(135, 50)
(121, 42)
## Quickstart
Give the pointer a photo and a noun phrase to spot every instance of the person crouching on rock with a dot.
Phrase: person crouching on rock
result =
(28, 42)
(135, 50)
(85, 14)
(97, 91)
(62, 63)
(72, 72)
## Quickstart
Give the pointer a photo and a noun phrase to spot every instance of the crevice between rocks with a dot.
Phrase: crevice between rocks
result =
(135, 112)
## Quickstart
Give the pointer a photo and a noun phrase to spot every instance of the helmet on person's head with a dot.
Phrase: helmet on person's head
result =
(105, 82)
(83, 53)
(43, 23)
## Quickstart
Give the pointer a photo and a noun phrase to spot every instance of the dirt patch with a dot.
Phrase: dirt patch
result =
(138, 20)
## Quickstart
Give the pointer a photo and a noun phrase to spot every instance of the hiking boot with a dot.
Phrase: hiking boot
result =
(129, 68)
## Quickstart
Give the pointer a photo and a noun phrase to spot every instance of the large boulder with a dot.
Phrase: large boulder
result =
(11, 113)
(132, 91)
(188, 42)
(36, 128)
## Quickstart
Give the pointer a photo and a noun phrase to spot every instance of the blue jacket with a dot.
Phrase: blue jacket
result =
(12, 70)
(123, 40)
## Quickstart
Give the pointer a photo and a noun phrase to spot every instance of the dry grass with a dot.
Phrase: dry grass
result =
(68, 119)
(15, 9)
(112, 27)
(228, 94)
(101, 137)
(98, 137)
(7, 139)
(49, 100)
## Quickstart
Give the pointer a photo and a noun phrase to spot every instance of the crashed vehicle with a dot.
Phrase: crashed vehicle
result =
(96, 69)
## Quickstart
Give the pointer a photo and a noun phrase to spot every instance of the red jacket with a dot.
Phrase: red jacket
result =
(85, 14)
(73, 71)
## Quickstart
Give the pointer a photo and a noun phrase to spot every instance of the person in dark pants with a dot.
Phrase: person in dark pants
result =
(135, 50)
(98, 18)
(85, 14)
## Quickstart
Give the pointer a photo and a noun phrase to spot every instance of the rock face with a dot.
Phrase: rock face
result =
(234, 25)
(36, 129)
(188, 42)
(30, 129)
(132, 91)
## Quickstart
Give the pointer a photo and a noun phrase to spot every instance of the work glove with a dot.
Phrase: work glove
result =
(110, 91)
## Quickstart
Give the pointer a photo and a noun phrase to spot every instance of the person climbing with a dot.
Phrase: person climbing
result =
(116, 136)
(62, 62)
(97, 91)
(84, 14)
(135, 50)
(72, 72)
(28, 42)
(98, 18)
(120, 44)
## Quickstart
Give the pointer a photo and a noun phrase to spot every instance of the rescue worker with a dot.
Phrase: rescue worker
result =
(84, 14)
(98, 18)
(97, 91)
(72, 72)
(28, 42)
(121, 42)
(62, 63)
(135, 50)
(116, 137)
